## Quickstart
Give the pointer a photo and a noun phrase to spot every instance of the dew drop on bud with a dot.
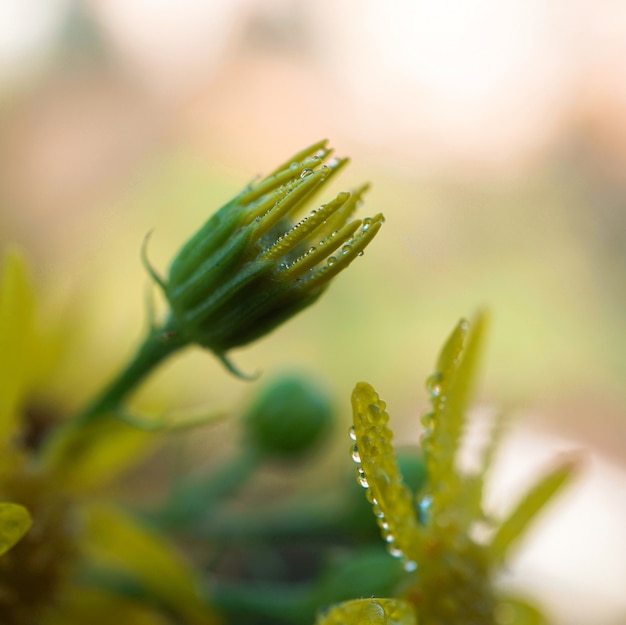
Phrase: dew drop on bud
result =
(352, 433)
(306, 172)
(356, 456)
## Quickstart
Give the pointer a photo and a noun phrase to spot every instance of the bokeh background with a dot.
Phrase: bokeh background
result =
(494, 133)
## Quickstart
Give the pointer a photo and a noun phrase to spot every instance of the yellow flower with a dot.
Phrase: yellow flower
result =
(71, 530)
(451, 573)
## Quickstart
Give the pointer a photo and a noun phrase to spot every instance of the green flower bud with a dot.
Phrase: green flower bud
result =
(289, 417)
(250, 267)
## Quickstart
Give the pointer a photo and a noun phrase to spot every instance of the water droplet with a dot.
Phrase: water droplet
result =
(374, 413)
(394, 552)
(361, 253)
(428, 419)
(333, 162)
(352, 432)
(424, 509)
(311, 249)
(410, 566)
(306, 172)
(356, 456)
(433, 384)
(331, 261)
(346, 249)
(384, 525)
(366, 224)
(361, 479)
(375, 613)
(378, 511)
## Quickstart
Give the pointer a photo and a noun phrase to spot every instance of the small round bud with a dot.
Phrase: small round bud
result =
(289, 417)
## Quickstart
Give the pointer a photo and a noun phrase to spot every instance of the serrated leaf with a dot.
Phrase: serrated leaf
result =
(369, 612)
(512, 528)
(15, 521)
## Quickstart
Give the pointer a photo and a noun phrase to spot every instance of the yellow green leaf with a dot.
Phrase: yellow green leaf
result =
(116, 541)
(369, 612)
(516, 524)
(15, 521)
(378, 471)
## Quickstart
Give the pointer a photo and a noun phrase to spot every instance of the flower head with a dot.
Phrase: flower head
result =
(56, 492)
(252, 265)
(451, 572)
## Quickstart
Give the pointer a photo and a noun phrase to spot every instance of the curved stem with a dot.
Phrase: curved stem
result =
(157, 346)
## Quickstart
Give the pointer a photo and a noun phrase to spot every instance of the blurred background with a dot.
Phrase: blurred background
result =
(494, 133)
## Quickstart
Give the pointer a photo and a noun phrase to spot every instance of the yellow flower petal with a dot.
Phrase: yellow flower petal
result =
(378, 472)
(534, 501)
(450, 388)
(85, 458)
(79, 605)
(118, 542)
(15, 521)
(369, 612)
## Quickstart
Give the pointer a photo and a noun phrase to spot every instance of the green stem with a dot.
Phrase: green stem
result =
(69, 438)
(157, 346)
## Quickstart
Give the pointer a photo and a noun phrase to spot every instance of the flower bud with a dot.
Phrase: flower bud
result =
(289, 417)
(250, 267)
